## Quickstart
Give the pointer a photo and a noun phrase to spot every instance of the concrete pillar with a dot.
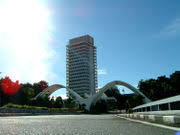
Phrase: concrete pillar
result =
(150, 108)
(169, 106)
(158, 108)
(145, 109)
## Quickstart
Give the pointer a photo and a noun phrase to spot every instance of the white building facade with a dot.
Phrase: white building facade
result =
(81, 65)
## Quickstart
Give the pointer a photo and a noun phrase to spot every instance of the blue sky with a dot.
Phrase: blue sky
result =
(135, 39)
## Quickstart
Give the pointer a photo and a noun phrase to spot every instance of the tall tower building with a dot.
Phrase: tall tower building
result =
(81, 65)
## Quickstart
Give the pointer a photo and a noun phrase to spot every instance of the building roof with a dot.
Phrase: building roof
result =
(162, 101)
(85, 38)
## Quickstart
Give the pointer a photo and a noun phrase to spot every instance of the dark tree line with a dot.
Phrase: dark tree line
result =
(26, 94)
(162, 87)
(154, 89)
(124, 101)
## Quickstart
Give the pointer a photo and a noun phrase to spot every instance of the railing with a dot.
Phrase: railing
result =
(171, 103)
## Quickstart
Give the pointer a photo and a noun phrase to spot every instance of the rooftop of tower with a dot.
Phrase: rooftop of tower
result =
(85, 38)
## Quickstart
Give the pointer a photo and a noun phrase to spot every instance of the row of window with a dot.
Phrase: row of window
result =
(78, 46)
(79, 50)
(78, 84)
(77, 70)
(77, 76)
(161, 107)
(77, 65)
(75, 57)
(79, 61)
(79, 81)
(80, 88)
(80, 68)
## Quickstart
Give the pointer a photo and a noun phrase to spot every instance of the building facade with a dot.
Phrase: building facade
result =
(81, 65)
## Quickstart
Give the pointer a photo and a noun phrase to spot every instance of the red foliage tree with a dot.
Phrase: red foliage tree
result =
(43, 84)
(9, 87)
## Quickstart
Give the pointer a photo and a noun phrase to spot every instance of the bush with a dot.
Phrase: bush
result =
(99, 107)
(10, 105)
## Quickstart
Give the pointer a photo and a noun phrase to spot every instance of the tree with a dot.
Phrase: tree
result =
(52, 102)
(58, 102)
(162, 87)
(43, 101)
(40, 86)
(99, 107)
(24, 96)
(114, 92)
(4, 99)
(175, 82)
(43, 84)
(9, 87)
(133, 100)
(37, 88)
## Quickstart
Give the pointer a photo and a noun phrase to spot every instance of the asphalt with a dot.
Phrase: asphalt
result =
(76, 125)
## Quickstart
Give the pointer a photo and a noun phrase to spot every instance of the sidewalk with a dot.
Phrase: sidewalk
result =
(172, 120)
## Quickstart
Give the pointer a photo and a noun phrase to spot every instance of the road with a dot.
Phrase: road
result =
(76, 125)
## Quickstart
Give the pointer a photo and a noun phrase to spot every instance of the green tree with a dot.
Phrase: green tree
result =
(133, 100)
(37, 88)
(114, 92)
(99, 107)
(52, 102)
(175, 82)
(43, 101)
(24, 96)
(162, 87)
(69, 103)
(58, 102)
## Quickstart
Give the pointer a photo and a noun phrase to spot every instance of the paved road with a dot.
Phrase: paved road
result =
(76, 125)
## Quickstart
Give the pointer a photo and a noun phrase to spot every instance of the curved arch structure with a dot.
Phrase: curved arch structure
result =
(94, 98)
(49, 90)
(113, 83)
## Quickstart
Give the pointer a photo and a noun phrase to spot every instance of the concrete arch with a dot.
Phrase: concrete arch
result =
(48, 91)
(94, 98)
(98, 95)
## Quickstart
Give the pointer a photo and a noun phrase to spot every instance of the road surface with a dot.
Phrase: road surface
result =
(76, 125)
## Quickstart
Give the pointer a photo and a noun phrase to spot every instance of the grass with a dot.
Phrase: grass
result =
(11, 105)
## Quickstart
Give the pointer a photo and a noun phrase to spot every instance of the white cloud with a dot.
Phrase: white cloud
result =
(172, 29)
(102, 72)
(63, 96)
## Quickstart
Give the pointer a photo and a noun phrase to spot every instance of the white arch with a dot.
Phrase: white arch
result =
(49, 90)
(113, 83)
(94, 98)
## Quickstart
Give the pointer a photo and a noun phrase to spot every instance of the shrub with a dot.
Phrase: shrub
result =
(10, 105)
